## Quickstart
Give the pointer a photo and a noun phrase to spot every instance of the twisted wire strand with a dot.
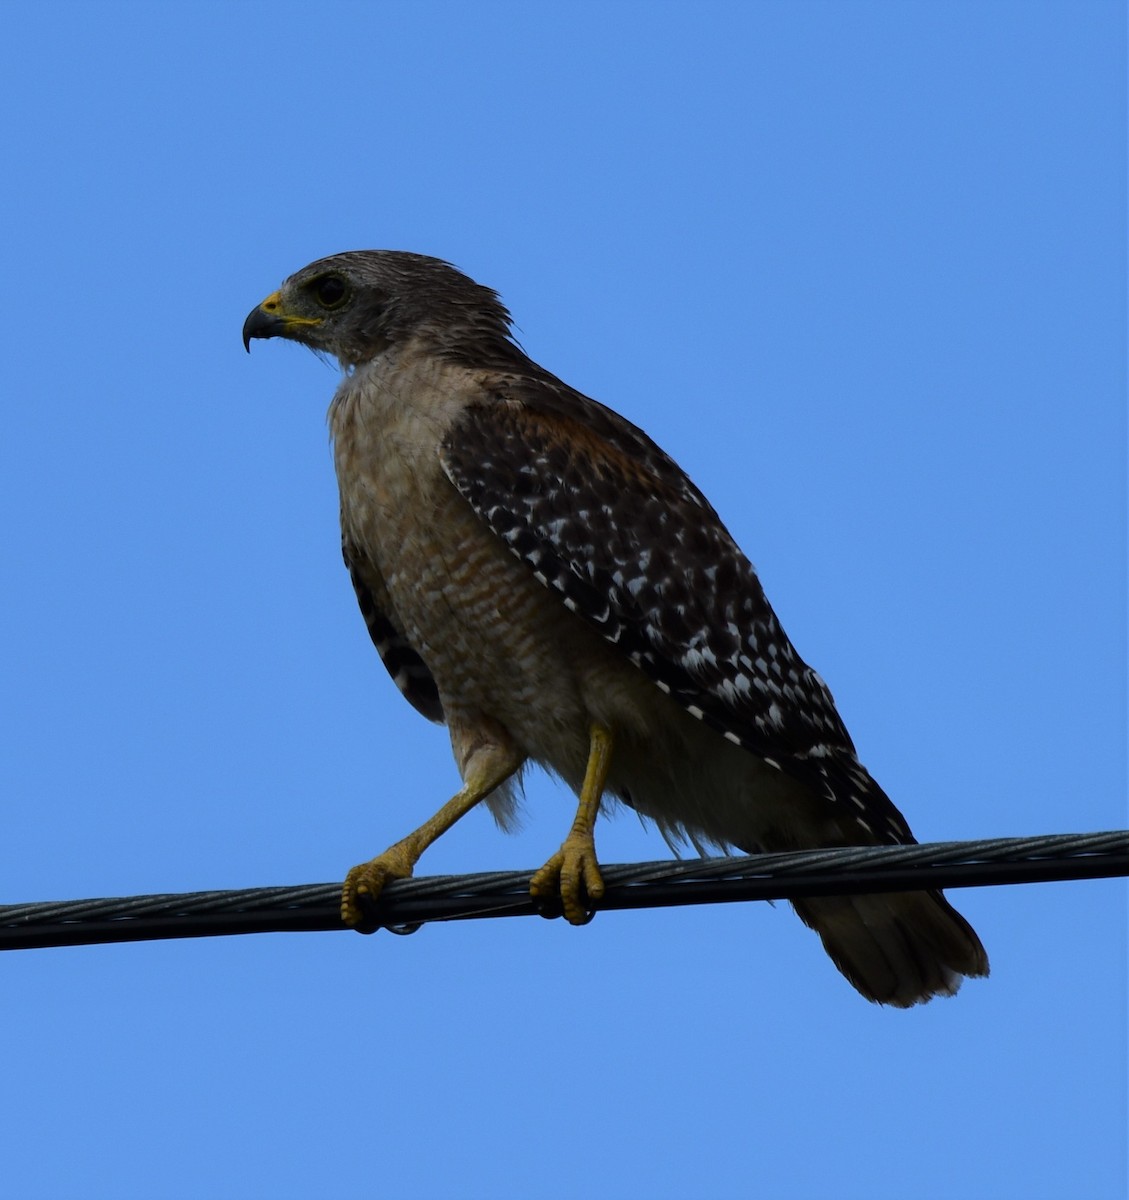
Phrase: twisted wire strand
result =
(406, 904)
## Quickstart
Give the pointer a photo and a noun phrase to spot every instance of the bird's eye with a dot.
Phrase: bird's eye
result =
(330, 291)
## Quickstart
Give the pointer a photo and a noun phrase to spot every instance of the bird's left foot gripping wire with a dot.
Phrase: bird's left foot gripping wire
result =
(364, 883)
(573, 873)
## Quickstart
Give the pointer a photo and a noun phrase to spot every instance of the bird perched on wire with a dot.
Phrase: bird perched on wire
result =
(536, 573)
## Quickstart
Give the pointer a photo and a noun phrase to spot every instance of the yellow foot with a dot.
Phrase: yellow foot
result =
(369, 879)
(574, 875)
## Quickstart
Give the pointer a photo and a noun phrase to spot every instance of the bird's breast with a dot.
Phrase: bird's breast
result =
(495, 640)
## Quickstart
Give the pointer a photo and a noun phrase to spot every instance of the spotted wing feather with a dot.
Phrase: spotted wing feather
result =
(614, 527)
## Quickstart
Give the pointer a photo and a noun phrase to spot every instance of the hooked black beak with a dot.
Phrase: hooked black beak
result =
(271, 319)
(261, 324)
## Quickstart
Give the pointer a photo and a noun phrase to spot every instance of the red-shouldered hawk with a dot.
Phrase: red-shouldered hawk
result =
(539, 575)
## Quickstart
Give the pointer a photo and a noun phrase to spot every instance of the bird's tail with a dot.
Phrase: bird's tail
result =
(899, 948)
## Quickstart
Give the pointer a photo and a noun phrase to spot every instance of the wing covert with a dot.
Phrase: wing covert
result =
(620, 533)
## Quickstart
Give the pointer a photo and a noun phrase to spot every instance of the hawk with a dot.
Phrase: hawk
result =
(539, 576)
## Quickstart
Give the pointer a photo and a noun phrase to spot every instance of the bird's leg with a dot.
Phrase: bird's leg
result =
(573, 870)
(490, 765)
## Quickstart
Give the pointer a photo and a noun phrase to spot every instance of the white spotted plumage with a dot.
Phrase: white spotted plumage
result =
(652, 568)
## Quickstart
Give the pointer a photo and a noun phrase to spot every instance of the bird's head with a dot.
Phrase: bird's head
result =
(357, 304)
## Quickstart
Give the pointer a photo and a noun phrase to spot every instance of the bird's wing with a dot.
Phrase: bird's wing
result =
(408, 670)
(612, 525)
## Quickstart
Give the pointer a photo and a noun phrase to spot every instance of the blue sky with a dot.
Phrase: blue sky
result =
(861, 268)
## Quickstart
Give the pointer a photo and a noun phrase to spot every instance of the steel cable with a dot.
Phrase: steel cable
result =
(407, 904)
